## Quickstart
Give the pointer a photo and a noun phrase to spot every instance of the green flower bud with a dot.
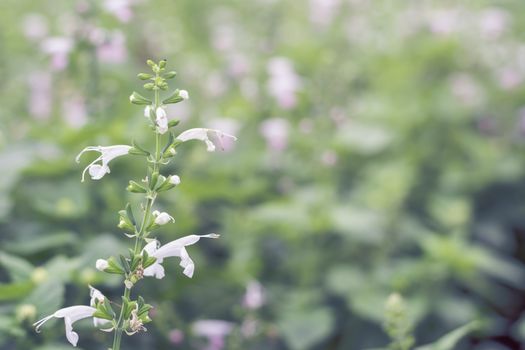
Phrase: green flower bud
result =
(162, 64)
(138, 99)
(149, 86)
(177, 96)
(135, 187)
(144, 76)
(150, 63)
(170, 75)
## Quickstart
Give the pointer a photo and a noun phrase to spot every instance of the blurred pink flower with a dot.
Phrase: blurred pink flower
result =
(254, 297)
(493, 22)
(34, 26)
(228, 126)
(509, 78)
(466, 89)
(444, 21)
(322, 12)
(40, 95)
(283, 82)
(275, 131)
(121, 9)
(58, 48)
(113, 49)
(74, 111)
(215, 330)
(176, 336)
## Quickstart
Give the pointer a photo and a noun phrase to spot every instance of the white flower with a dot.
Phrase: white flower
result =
(107, 154)
(175, 180)
(96, 295)
(203, 134)
(174, 248)
(162, 218)
(184, 94)
(101, 264)
(161, 120)
(70, 315)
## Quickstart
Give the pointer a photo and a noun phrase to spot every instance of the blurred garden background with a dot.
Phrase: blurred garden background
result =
(381, 149)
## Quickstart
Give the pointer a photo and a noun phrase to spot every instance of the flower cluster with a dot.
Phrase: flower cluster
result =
(148, 254)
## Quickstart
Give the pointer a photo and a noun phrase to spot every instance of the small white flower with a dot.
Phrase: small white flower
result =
(96, 296)
(107, 154)
(172, 249)
(147, 111)
(101, 264)
(184, 94)
(175, 180)
(203, 134)
(161, 121)
(70, 315)
(162, 218)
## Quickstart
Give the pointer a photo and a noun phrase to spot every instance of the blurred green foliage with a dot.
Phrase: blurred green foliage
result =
(380, 150)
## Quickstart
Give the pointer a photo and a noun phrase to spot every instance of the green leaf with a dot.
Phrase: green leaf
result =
(129, 214)
(449, 341)
(15, 291)
(17, 268)
(303, 329)
(47, 297)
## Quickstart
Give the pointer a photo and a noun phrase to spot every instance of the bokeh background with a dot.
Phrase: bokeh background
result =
(381, 149)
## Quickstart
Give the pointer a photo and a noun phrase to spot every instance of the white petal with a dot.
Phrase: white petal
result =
(163, 218)
(156, 270)
(71, 336)
(95, 295)
(202, 134)
(101, 264)
(147, 111)
(174, 180)
(97, 171)
(71, 315)
(184, 94)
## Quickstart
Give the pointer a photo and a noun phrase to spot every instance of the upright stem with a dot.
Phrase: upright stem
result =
(139, 235)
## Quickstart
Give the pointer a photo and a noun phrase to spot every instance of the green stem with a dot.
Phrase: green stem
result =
(138, 239)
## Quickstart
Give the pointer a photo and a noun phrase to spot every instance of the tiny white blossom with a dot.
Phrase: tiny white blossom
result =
(96, 296)
(101, 264)
(147, 111)
(70, 315)
(162, 218)
(107, 154)
(161, 120)
(175, 180)
(175, 248)
(184, 94)
(203, 134)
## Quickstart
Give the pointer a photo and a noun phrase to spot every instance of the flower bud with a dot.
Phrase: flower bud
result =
(162, 218)
(144, 76)
(26, 312)
(101, 264)
(150, 63)
(177, 96)
(39, 275)
(149, 86)
(174, 180)
(162, 64)
(184, 94)
(170, 75)
(138, 99)
(135, 187)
